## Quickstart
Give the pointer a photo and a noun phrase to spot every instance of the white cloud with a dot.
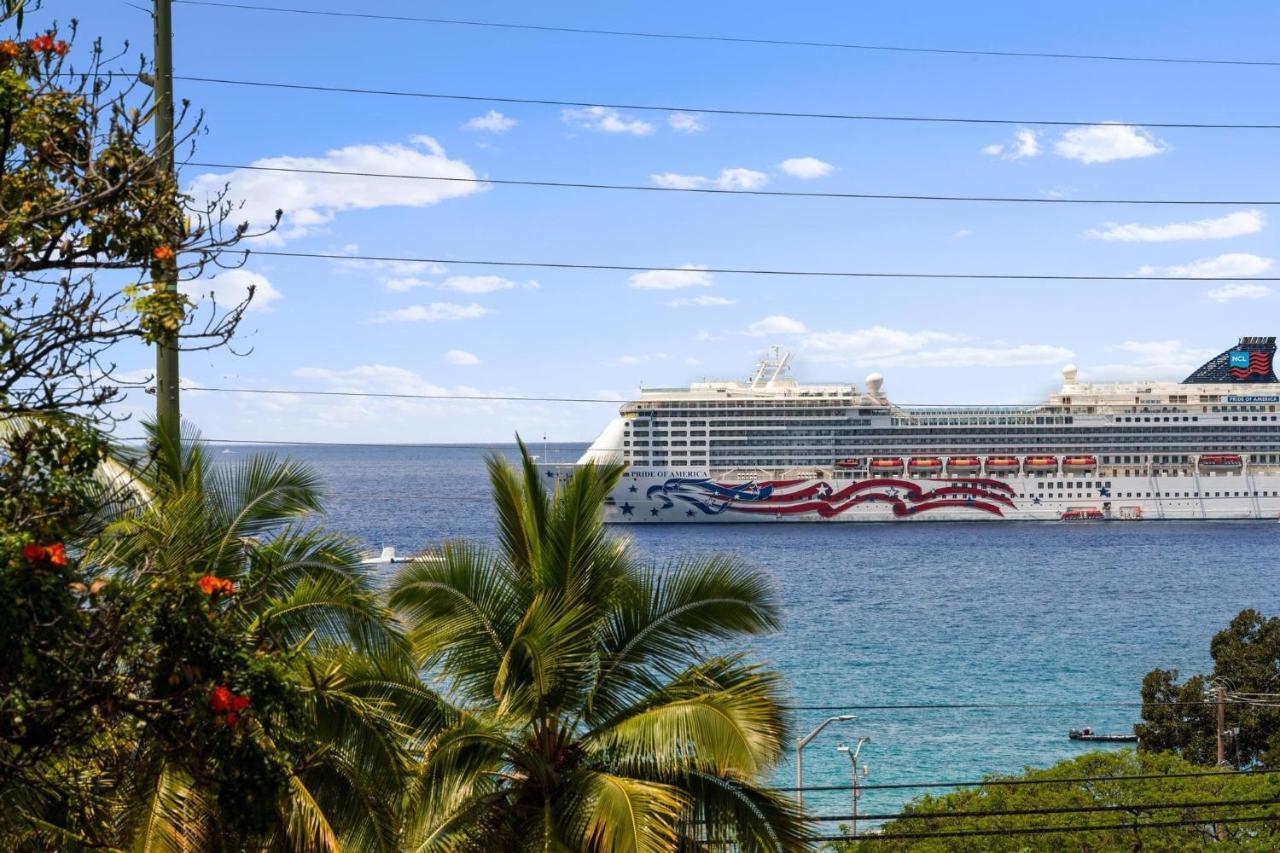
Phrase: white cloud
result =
(461, 357)
(630, 360)
(1230, 265)
(311, 201)
(491, 122)
(806, 168)
(483, 284)
(1026, 143)
(776, 324)
(1238, 290)
(703, 301)
(1150, 360)
(1234, 224)
(729, 179)
(689, 275)
(230, 287)
(879, 346)
(460, 284)
(1102, 143)
(434, 312)
(686, 123)
(605, 120)
(407, 283)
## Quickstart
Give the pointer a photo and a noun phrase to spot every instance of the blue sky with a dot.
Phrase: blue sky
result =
(330, 326)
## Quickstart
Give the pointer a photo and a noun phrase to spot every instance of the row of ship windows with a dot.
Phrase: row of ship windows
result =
(819, 428)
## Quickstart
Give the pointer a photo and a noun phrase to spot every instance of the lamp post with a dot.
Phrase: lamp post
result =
(853, 760)
(802, 742)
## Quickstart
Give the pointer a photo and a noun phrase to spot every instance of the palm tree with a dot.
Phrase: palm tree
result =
(295, 629)
(590, 715)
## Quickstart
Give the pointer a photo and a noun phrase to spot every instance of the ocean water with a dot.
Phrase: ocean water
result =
(887, 614)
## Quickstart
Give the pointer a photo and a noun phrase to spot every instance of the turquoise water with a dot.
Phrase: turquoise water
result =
(881, 614)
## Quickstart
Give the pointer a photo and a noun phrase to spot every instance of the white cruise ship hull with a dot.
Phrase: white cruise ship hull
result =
(682, 496)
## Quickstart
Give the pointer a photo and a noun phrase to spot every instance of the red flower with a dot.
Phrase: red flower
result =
(9, 48)
(220, 699)
(162, 253)
(211, 585)
(54, 554)
(41, 44)
(227, 706)
(60, 48)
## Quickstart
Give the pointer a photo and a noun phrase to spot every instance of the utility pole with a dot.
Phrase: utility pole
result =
(1222, 724)
(167, 409)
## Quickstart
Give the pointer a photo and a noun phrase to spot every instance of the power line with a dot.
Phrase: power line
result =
(744, 192)
(737, 39)
(479, 397)
(496, 99)
(1054, 810)
(748, 271)
(1045, 830)
(1066, 780)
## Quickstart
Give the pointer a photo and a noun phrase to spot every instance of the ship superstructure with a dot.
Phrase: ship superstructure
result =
(771, 448)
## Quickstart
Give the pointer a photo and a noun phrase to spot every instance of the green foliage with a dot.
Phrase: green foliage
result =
(238, 683)
(1135, 798)
(589, 714)
(1176, 716)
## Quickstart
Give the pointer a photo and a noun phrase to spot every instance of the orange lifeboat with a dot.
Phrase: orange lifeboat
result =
(1083, 514)
(963, 464)
(924, 465)
(1221, 462)
(886, 465)
(1040, 464)
(1002, 464)
(848, 463)
(1079, 463)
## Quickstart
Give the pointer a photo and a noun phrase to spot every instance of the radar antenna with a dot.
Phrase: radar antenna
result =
(773, 364)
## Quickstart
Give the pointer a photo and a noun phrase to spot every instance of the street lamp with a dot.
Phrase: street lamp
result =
(802, 742)
(853, 760)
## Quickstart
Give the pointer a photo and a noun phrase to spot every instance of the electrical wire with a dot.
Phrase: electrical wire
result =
(747, 271)
(1045, 830)
(1013, 783)
(582, 185)
(755, 113)
(735, 39)
(1054, 810)
(388, 394)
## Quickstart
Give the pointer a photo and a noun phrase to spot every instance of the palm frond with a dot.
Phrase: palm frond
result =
(261, 492)
(621, 815)
(305, 823)
(720, 716)
(729, 812)
(326, 610)
(460, 605)
(172, 816)
(661, 621)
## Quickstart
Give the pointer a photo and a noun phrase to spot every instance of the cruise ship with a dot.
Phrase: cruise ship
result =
(772, 449)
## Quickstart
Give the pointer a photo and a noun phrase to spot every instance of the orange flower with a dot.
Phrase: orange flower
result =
(41, 44)
(54, 554)
(227, 706)
(8, 48)
(162, 253)
(220, 699)
(212, 585)
(60, 48)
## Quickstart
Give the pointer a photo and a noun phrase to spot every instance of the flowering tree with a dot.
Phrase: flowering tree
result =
(91, 222)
